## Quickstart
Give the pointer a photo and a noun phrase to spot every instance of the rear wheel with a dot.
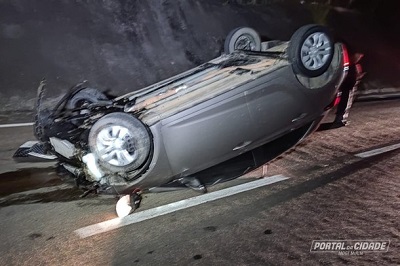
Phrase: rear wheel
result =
(242, 38)
(120, 141)
(311, 50)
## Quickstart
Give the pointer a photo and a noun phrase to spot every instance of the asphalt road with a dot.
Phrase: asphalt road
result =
(331, 194)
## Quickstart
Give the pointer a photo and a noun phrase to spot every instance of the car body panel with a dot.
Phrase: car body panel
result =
(210, 130)
(235, 105)
(224, 74)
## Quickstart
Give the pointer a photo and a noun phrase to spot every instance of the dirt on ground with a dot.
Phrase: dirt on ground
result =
(336, 195)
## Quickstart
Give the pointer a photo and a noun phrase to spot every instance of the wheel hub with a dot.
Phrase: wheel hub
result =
(114, 144)
(245, 42)
(315, 51)
(119, 144)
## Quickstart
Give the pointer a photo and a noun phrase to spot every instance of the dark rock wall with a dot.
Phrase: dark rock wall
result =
(121, 45)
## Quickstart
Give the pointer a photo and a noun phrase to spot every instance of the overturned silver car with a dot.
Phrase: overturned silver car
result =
(221, 119)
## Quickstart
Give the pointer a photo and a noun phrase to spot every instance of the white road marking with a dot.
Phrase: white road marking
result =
(173, 207)
(17, 125)
(378, 151)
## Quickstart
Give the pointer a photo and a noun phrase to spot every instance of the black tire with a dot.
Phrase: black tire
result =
(136, 144)
(242, 38)
(85, 96)
(311, 50)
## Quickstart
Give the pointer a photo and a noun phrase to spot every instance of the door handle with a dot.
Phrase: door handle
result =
(242, 145)
(299, 117)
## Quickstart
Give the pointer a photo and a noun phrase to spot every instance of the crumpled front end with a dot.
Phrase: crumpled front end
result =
(63, 134)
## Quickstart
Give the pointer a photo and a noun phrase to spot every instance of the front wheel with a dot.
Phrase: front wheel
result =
(311, 50)
(120, 141)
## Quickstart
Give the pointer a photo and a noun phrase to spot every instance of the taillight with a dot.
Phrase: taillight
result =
(337, 99)
(346, 64)
(346, 59)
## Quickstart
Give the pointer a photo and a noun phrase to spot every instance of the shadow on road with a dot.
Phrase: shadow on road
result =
(310, 185)
(298, 190)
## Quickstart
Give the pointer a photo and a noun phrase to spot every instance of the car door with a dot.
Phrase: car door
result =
(215, 131)
(275, 106)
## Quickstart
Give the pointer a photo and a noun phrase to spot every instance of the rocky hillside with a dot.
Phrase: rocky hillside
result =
(124, 45)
